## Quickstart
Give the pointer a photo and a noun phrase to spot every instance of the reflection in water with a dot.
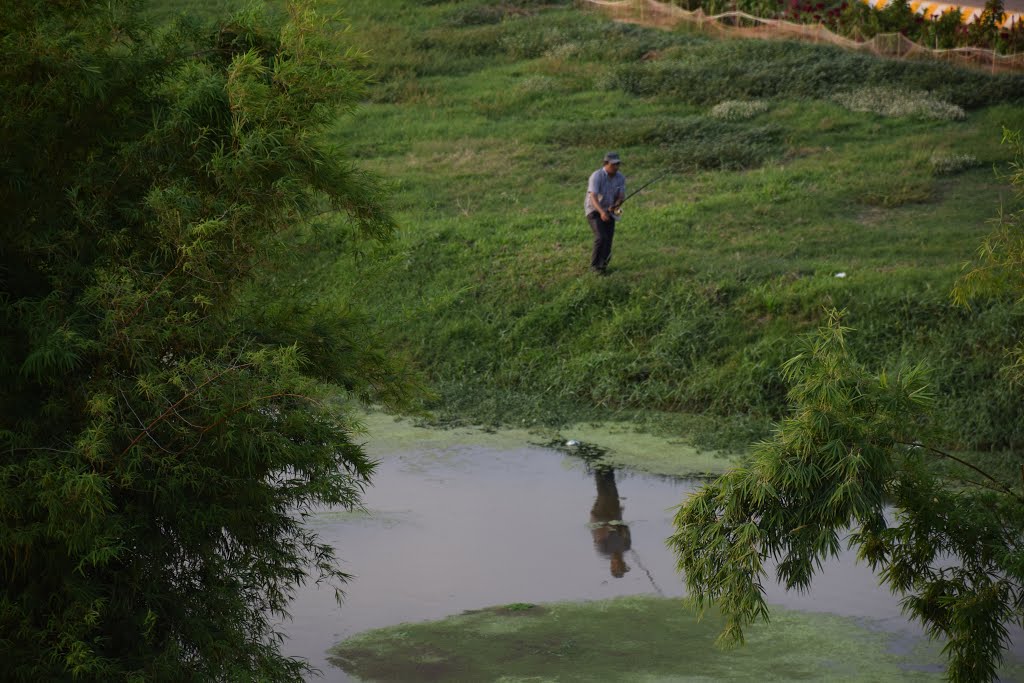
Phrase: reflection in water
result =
(611, 535)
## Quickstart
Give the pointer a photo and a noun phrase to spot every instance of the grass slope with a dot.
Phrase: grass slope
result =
(488, 116)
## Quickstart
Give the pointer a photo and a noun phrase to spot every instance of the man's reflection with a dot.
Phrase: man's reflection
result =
(611, 535)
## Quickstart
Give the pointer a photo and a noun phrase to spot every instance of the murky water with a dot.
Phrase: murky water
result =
(467, 527)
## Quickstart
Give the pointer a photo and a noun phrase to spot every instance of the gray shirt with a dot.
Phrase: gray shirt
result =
(607, 188)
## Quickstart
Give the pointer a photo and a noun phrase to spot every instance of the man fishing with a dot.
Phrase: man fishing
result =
(606, 190)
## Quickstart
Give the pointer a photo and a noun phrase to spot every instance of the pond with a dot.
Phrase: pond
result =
(457, 527)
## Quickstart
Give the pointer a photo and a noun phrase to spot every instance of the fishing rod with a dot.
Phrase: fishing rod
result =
(617, 209)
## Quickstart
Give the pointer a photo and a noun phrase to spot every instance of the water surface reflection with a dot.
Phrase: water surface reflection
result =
(464, 528)
(610, 532)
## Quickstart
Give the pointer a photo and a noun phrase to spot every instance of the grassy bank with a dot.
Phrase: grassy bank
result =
(488, 116)
(636, 639)
(618, 445)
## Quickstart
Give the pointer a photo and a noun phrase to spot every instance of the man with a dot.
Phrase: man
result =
(605, 191)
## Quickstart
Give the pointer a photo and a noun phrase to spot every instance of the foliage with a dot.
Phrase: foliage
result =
(998, 270)
(853, 445)
(172, 390)
(850, 448)
(946, 29)
(898, 17)
(687, 141)
(984, 31)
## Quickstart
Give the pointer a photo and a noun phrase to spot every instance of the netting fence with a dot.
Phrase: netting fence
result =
(742, 25)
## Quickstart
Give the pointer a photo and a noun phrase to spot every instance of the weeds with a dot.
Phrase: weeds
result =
(951, 164)
(886, 101)
(738, 110)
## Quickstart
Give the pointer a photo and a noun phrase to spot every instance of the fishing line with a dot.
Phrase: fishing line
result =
(636, 558)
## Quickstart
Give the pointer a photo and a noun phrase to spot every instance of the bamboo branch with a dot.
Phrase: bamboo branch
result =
(1001, 487)
(245, 405)
(163, 416)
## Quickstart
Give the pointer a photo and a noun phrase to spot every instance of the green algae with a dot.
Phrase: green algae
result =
(636, 638)
(621, 445)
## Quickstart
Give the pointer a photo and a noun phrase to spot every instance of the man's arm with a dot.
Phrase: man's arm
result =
(620, 196)
(595, 199)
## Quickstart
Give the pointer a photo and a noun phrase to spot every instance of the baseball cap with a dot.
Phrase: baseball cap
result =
(612, 158)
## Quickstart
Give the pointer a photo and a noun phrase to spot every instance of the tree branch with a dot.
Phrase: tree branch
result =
(163, 416)
(1000, 486)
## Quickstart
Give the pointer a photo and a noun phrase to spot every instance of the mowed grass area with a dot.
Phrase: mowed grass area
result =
(487, 117)
(636, 639)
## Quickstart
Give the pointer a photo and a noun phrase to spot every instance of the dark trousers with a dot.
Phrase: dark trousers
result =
(604, 232)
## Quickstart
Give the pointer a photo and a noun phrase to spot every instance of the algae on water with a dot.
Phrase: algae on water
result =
(620, 445)
(635, 638)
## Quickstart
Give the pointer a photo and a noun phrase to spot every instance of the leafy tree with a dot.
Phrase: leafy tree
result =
(173, 392)
(855, 444)
(984, 31)
(944, 31)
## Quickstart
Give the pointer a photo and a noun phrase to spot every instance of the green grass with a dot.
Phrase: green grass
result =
(488, 116)
(635, 639)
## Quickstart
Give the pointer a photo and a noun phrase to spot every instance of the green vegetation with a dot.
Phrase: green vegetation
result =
(171, 385)
(636, 639)
(488, 117)
(172, 389)
(855, 444)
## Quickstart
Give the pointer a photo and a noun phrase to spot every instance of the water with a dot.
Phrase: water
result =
(467, 527)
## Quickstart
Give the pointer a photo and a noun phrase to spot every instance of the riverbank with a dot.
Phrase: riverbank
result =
(802, 177)
(617, 445)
